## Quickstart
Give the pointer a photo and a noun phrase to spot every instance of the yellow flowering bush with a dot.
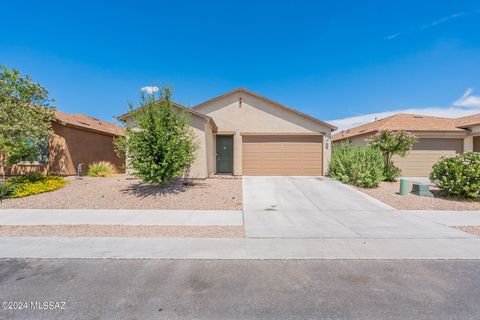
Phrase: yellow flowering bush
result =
(33, 184)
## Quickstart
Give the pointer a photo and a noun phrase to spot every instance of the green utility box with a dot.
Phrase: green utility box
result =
(404, 186)
(421, 189)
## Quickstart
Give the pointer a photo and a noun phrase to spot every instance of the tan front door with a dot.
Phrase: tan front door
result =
(282, 155)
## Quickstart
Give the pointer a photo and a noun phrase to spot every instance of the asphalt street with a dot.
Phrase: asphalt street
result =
(247, 289)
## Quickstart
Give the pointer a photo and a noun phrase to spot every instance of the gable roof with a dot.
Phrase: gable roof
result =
(468, 121)
(177, 105)
(402, 121)
(281, 106)
(85, 122)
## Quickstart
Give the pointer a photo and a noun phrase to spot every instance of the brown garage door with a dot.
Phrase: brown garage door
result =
(426, 152)
(282, 155)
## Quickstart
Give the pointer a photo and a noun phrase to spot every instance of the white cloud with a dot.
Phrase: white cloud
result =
(465, 106)
(392, 36)
(468, 100)
(431, 24)
(442, 20)
(149, 89)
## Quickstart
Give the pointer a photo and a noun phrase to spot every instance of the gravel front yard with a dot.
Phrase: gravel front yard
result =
(122, 231)
(388, 193)
(122, 193)
(470, 229)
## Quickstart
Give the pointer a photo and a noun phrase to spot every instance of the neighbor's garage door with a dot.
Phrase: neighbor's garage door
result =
(282, 155)
(425, 153)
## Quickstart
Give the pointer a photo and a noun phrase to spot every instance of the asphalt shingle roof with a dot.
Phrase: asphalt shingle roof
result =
(84, 121)
(409, 122)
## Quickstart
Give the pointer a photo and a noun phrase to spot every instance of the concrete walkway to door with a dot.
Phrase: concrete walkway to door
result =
(318, 207)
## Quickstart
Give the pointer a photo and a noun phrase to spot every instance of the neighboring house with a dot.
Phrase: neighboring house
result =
(77, 139)
(243, 133)
(437, 137)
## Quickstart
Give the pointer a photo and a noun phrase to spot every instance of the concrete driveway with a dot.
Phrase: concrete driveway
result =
(319, 207)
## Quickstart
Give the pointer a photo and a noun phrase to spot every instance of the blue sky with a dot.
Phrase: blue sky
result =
(335, 60)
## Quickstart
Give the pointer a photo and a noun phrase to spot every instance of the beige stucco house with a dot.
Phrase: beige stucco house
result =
(243, 133)
(437, 137)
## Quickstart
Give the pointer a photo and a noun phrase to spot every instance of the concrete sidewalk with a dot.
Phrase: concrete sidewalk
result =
(120, 217)
(202, 248)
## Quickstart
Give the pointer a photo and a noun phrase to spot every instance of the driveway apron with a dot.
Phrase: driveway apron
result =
(319, 207)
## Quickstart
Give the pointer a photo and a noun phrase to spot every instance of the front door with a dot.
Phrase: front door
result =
(224, 154)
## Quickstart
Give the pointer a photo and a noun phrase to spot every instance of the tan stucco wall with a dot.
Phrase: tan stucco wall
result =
(210, 149)
(256, 115)
(70, 146)
(475, 130)
(201, 166)
(327, 153)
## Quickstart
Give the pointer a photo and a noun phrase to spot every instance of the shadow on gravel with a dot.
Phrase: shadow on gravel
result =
(144, 190)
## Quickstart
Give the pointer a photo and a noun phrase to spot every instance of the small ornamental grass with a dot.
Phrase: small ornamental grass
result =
(358, 165)
(35, 183)
(101, 169)
(458, 175)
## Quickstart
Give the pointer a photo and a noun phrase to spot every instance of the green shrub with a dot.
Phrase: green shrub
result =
(5, 190)
(162, 146)
(458, 175)
(391, 173)
(358, 165)
(31, 184)
(392, 143)
(28, 178)
(101, 169)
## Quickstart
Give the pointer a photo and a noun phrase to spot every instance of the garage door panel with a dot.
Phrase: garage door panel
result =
(418, 163)
(286, 156)
(275, 172)
(281, 146)
(282, 155)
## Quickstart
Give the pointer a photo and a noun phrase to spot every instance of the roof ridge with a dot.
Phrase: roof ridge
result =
(402, 121)
(278, 104)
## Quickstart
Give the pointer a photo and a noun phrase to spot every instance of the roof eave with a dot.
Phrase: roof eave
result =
(68, 124)
(205, 117)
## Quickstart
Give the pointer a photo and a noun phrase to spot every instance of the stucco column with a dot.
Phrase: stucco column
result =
(327, 153)
(237, 154)
(468, 143)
